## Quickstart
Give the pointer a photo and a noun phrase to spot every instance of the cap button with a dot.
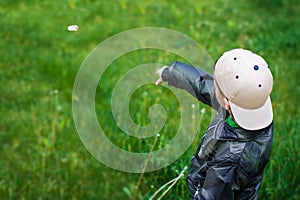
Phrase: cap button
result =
(256, 67)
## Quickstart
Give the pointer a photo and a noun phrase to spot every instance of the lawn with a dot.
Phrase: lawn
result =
(42, 154)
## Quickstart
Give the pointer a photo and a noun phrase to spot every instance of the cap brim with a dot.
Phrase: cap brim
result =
(253, 119)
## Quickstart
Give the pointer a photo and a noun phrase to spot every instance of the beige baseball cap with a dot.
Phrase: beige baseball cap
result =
(245, 79)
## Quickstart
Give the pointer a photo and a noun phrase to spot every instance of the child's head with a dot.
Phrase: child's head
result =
(243, 85)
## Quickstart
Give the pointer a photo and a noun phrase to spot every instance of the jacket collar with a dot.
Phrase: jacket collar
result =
(224, 131)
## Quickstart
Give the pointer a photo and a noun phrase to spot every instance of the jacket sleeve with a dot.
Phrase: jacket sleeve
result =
(197, 82)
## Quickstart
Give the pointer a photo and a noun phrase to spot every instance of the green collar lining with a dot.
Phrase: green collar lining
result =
(232, 123)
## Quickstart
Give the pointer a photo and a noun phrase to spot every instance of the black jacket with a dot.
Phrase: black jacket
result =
(229, 162)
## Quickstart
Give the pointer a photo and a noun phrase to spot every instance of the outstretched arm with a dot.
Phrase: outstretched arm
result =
(197, 82)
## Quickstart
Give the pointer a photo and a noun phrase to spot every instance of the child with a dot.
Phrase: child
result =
(235, 149)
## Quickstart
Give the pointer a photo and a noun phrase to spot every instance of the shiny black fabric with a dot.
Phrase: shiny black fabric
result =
(229, 162)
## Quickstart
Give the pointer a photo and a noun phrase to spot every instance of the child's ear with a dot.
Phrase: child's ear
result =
(227, 105)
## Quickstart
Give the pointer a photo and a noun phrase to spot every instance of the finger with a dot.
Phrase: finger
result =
(159, 81)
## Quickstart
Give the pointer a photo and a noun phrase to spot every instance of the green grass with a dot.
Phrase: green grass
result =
(42, 156)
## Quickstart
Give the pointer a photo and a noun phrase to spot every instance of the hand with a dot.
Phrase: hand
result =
(159, 72)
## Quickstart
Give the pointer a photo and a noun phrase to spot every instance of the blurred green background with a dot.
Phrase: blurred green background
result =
(42, 156)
